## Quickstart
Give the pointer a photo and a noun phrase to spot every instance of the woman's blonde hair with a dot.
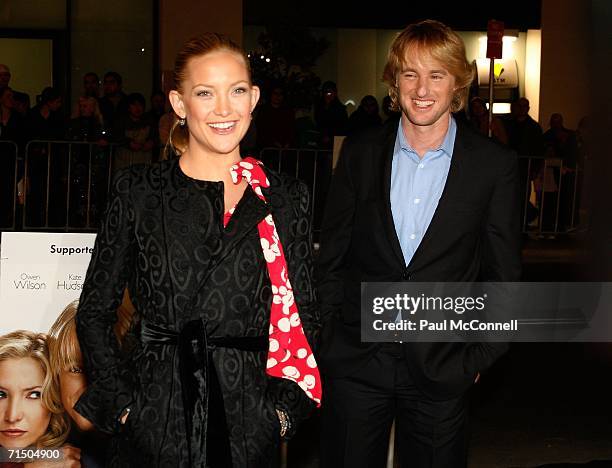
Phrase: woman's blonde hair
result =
(26, 344)
(193, 48)
(64, 348)
(76, 112)
(442, 44)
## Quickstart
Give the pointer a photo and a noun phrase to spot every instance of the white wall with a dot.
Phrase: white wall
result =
(31, 64)
(110, 35)
(533, 52)
(565, 84)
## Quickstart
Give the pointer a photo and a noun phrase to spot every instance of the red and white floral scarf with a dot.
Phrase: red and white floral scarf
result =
(289, 354)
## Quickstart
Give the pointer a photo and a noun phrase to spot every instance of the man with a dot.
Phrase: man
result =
(113, 105)
(560, 143)
(525, 134)
(91, 85)
(425, 199)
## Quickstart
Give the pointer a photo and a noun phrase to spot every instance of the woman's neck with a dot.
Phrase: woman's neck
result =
(203, 165)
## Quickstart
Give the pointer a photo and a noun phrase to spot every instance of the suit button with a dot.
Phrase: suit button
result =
(406, 276)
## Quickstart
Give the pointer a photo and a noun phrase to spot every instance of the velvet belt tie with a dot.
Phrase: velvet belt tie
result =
(207, 433)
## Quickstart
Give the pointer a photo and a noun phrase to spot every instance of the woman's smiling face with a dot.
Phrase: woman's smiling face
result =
(217, 99)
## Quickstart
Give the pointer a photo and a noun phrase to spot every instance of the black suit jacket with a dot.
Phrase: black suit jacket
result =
(474, 236)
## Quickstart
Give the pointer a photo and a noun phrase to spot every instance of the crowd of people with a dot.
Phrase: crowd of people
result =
(106, 115)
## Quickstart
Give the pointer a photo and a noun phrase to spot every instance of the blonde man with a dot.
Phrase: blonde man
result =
(425, 199)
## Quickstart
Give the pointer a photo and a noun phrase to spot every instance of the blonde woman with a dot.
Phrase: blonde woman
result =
(67, 361)
(31, 414)
(206, 244)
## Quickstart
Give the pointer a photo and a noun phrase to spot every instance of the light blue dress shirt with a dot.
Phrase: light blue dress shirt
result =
(416, 187)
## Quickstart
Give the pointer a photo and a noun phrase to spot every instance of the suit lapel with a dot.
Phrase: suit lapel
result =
(387, 214)
(452, 189)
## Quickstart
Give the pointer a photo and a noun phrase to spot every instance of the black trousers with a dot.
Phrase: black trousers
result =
(358, 412)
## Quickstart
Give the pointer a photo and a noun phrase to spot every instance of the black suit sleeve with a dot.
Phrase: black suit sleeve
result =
(501, 259)
(109, 388)
(286, 394)
(336, 234)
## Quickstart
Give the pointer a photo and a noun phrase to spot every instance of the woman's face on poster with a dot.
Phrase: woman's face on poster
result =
(23, 417)
(72, 385)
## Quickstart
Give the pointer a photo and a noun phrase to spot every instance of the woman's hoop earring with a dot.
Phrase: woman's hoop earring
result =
(182, 122)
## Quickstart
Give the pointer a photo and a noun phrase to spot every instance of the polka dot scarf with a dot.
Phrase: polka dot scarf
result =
(289, 354)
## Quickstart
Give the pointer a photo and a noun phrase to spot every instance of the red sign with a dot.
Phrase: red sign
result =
(495, 36)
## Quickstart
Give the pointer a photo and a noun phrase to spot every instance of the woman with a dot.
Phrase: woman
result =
(31, 414)
(45, 121)
(206, 245)
(86, 122)
(67, 366)
(136, 133)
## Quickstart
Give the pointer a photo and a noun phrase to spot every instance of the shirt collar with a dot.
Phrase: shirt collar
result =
(447, 144)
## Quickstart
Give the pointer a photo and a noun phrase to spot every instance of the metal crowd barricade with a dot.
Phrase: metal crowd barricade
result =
(53, 172)
(9, 165)
(312, 166)
(550, 195)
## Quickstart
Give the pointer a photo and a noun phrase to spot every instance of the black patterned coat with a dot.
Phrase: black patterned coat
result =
(163, 238)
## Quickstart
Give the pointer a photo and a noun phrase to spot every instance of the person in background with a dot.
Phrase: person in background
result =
(365, 116)
(12, 123)
(12, 129)
(561, 143)
(86, 123)
(135, 133)
(166, 123)
(479, 119)
(387, 108)
(5, 76)
(526, 138)
(45, 120)
(275, 121)
(22, 103)
(524, 133)
(158, 107)
(91, 85)
(330, 115)
(113, 104)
